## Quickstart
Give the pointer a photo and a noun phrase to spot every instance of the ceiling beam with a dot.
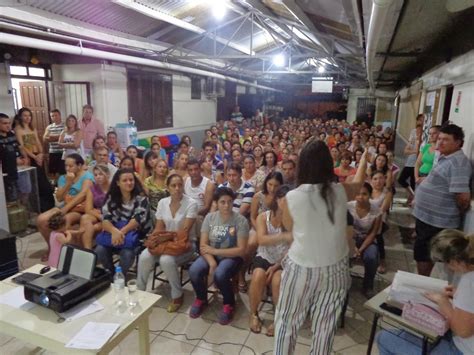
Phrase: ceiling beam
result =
(148, 11)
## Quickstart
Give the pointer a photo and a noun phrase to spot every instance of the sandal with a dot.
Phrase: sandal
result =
(255, 323)
(175, 304)
(270, 330)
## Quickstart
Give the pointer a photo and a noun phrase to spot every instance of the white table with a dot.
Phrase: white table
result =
(39, 326)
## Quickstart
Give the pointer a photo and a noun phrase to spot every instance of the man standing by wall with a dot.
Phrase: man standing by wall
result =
(443, 196)
(91, 128)
(51, 136)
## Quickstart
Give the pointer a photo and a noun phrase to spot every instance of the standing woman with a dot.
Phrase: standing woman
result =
(155, 185)
(125, 210)
(175, 216)
(91, 221)
(315, 280)
(428, 156)
(71, 138)
(32, 147)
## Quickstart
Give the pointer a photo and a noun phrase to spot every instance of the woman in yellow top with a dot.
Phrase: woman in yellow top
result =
(155, 185)
(31, 146)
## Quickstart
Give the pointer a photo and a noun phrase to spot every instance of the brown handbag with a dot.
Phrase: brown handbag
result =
(178, 246)
(80, 207)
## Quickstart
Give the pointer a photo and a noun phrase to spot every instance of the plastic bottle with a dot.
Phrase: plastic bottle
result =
(119, 288)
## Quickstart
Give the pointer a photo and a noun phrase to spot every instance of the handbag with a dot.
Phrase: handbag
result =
(80, 207)
(425, 317)
(131, 241)
(178, 246)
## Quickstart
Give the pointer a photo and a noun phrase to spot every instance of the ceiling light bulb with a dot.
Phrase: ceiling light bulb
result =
(279, 60)
(218, 10)
(321, 70)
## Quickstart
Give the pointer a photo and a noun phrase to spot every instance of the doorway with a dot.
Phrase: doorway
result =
(447, 104)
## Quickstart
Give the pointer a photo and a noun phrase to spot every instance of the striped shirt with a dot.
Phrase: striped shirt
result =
(435, 198)
(244, 194)
(55, 130)
(137, 209)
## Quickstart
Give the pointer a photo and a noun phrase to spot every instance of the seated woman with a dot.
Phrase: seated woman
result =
(91, 221)
(155, 185)
(267, 263)
(132, 152)
(126, 209)
(251, 174)
(367, 220)
(455, 304)
(149, 162)
(72, 189)
(381, 165)
(224, 235)
(344, 171)
(181, 165)
(174, 215)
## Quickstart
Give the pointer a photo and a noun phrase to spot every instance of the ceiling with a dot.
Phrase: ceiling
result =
(315, 37)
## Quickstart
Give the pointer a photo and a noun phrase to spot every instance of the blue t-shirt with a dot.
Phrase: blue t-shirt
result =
(77, 186)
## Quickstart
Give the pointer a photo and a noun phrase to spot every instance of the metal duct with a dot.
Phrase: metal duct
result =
(16, 40)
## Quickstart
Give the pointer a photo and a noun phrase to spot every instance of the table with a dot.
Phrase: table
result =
(374, 305)
(39, 325)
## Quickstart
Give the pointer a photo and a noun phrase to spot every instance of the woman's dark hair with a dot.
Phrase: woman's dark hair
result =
(56, 221)
(275, 158)
(78, 159)
(158, 144)
(19, 119)
(127, 158)
(235, 167)
(149, 155)
(171, 177)
(184, 137)
(96, 139)
(273, 175)
(76, 126)
(114, 195)
(223, 191)
(347, 155)
(247, 141)
(368, 187)
(280, 193)
(315, 166)
(249, 156)
(132, 147)
(384, 170)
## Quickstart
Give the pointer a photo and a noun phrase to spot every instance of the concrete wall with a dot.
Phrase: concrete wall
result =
(110, 100)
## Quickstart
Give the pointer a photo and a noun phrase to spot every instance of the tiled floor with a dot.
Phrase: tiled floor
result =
(178, 334)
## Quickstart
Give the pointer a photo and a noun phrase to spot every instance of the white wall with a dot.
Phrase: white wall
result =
(462, 114)
(110, 100)
(6, 98)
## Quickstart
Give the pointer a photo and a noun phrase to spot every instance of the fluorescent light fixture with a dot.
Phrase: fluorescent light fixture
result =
(219, 9)
(279, 60)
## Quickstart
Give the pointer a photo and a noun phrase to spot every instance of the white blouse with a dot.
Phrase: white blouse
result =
(187, 209)
(316, 241)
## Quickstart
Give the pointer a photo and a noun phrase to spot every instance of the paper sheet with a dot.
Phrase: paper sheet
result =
(15, 298)
(82, 309)
(93, 336)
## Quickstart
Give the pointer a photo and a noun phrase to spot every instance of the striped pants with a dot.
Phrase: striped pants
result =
(321, 292)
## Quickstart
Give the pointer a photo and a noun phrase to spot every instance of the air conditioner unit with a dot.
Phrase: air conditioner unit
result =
(215, 87)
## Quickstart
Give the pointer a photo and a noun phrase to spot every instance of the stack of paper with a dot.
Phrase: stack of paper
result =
(93, 336)
(408, 287)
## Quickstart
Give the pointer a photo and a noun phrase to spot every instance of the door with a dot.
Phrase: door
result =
(33, 96)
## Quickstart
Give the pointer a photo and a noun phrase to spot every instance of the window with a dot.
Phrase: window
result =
(196, 87)
(36, 72)
(150, 99)
(16, 70)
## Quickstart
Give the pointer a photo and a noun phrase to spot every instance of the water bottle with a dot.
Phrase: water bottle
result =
(119, 289)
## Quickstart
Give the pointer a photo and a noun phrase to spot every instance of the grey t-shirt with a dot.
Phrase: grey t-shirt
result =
(224, 235)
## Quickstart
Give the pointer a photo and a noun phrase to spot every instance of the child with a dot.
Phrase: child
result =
(58, 237)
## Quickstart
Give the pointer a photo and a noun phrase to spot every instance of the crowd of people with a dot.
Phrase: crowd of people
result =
(273, 196)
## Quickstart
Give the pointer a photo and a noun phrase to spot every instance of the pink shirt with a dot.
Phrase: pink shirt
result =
(54, 249)
(91, 130)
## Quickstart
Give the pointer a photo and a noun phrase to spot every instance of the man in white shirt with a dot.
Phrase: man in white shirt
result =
(199, 187)
(102, 157)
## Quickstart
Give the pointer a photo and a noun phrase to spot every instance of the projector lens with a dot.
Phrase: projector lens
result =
(44, 300)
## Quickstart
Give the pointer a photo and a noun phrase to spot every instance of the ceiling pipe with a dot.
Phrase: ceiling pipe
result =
(380, 9)
(16, 40)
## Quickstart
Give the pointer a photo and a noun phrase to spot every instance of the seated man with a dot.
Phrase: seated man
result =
(102, 157)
